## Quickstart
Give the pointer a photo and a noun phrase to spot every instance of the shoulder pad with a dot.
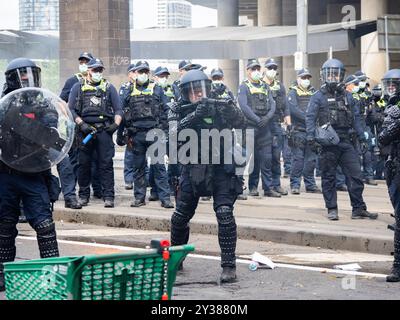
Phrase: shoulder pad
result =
(394, 112)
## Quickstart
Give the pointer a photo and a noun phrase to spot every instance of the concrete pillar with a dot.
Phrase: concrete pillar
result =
(269, 13)
(373, 61)
(228, 15)
(100, 27)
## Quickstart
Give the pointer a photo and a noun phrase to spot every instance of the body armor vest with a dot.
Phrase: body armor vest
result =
(277, 95)
(338, 114)
(303, 98)
(94, 102)
(169, 93)
(258, 99)
(142, 105)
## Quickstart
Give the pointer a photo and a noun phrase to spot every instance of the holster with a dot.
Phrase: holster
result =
(201, 179)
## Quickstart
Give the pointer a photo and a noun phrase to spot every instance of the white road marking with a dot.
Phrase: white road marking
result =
(243, 261)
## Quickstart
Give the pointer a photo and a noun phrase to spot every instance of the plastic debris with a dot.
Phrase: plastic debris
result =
(348, 267)
(263, 260)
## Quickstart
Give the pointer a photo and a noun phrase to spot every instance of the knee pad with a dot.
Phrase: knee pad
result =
(179, 220)
(8, 233)
(225, 215)
(47, 239)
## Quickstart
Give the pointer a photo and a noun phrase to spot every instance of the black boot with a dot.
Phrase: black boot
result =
(395, 274)
(47, 239)
(228, 274)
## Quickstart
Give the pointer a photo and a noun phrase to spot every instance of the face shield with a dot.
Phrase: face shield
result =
(196, 90)
(24, 78)
(391, 87)
(332, 75)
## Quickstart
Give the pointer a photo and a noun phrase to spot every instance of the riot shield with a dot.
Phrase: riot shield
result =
(36, 129)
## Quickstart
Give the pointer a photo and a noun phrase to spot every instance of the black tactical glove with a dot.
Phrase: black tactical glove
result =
(263, 122)
(202, 111)
(85, 127)
(314, 145)
(112, 128)
(121, 141)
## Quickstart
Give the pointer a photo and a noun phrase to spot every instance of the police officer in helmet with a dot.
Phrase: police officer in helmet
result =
(197, 112)
(27, 123)
(95, 106)
(390, 137)
(333, 105)
(144, 110)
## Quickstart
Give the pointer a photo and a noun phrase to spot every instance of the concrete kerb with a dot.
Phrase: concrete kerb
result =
(351, 241)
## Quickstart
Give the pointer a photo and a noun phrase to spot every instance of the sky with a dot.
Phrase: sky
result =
(145, 16)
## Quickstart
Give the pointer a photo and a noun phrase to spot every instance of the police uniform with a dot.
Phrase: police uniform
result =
(256, 101)
(279, 94)
(145, 109)
(303, 157)
(96, 104)
(332, 104)
(389, 137)
(198, 180)
(33, 185)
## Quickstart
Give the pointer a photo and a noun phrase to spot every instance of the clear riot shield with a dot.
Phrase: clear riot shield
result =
(36, 129)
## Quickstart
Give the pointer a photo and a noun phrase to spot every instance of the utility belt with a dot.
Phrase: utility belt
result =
(6, 169)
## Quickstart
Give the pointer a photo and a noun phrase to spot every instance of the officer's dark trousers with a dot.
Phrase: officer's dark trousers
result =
(34, 194)
(340, 178)
(303, 163)
(286, 155)
(103, 144)
(346, 156)
(68, 173)
(140, 146)
(95, 178)
(277, 147)
(393, 183)
(224, 199)
(262, 163)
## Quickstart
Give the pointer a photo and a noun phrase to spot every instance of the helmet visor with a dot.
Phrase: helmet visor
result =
(26, 77)
(391, 87)
(196, 90)
(333, 75)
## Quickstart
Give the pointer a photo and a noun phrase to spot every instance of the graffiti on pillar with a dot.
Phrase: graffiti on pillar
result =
(349, 20)
(120, 61)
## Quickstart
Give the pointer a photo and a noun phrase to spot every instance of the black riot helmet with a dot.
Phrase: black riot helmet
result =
(377, 91)
(391, 83)
(22, 73)
(194, 86)
(332, 73)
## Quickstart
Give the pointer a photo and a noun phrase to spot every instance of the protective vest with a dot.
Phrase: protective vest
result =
(364, 101)
(79, 76)
(169, 93)
(258, 98)
(338, 114)
(381, 103)
(142, 104)
(94, 102)
(278, 97)
(303, 97)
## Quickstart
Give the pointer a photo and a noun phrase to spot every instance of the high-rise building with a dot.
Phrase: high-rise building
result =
(131, 14)
(174, 14)
(38, 15)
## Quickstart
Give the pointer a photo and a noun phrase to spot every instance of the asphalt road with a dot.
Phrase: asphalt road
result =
(199, 279)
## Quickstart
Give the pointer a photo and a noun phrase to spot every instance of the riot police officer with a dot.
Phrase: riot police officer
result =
(145, 109)
(258, 105)
(303, 157)
(68, 168)
(161, 75)
(128, 156)
(390, 137)
(375, 117)
(96, 108)
(29, 145)
(365, 97)
(282, 114)
(183, 67)
(334, 111)
(195, 111)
